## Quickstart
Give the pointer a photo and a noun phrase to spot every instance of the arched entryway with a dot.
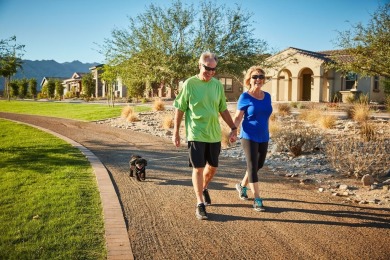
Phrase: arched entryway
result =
(306, 76)
(284, 85)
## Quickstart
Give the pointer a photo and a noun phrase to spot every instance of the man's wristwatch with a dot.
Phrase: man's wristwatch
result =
(233, 128)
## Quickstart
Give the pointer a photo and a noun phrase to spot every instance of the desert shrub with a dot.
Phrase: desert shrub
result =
(274, 127)
(352, 156)
(297, 138)
(327, 121)
(360, 112)
(158, 105)
(126, 111)
(333, 105)
(363, 99)
(350, 99)
(167, 122)
(42, 95)
(387, 102)
(301, 106)
(337, 97)
(283, 109)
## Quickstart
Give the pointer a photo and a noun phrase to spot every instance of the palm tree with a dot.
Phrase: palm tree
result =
(8, 67)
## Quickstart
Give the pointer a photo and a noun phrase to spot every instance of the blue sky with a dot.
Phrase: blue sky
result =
(67, 30)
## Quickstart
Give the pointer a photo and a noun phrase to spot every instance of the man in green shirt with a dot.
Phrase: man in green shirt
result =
(202, 99)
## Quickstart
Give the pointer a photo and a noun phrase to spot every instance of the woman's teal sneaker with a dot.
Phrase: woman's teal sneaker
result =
(258, 204)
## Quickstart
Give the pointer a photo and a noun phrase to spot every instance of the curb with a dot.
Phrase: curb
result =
(117, 239)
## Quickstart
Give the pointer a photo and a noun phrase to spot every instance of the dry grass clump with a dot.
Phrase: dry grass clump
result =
(360, 112)
(327, 121)
(167, 122)
(133, 117)
(158, 105)
(126, 111)
(367, 131)
(311, 115)
(128, 114)
(283, 109)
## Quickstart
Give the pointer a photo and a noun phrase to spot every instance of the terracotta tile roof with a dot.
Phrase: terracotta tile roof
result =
(313, 54)
(341, 55)
(326, 55)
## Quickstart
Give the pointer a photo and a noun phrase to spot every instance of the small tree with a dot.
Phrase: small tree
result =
(109, 77)
(135, 89)
(59, 89)
(23, 88)
(51, 86)
(32, 87)
(10, 60)
(88, 85)
(367, 46)
(13, 89)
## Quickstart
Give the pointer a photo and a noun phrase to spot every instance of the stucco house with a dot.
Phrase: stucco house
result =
(301, 75)
(74, 84)
(45, 80)
(120, 90)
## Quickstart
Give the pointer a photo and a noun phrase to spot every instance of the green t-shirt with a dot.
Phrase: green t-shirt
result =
(202, 102)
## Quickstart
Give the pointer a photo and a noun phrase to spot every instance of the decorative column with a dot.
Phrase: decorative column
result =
(295, 88)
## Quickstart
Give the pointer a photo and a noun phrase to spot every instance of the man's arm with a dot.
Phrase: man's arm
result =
(176, 129)
(229, 121)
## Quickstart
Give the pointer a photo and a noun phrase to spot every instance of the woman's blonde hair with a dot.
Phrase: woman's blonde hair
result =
(247, 78)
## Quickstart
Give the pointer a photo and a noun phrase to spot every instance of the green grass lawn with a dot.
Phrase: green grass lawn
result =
(50, 205)
(78, 111)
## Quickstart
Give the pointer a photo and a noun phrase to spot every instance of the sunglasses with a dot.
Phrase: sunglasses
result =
(258, 77)
(208, 68)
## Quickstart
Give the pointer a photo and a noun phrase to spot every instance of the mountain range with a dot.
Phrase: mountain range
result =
(39, 69)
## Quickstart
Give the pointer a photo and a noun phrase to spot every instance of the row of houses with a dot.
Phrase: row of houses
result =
(300, 75)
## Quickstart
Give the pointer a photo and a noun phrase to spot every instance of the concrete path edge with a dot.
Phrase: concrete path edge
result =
(117, 239)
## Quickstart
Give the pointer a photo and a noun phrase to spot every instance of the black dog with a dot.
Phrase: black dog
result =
(138, 164)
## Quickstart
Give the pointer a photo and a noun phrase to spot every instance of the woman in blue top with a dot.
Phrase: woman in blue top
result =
(253, 109)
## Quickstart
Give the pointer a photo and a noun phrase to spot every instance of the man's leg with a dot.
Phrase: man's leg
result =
(208, 174)
(197, 182)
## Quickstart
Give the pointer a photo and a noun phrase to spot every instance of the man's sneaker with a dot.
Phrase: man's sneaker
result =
(206, 197)
(241, 191)
(200, 212)
(258, 204)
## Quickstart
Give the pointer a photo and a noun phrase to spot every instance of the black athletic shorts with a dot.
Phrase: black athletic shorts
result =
(201, 152)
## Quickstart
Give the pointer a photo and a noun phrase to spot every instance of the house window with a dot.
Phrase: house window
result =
(376, 84)
(227, 84)
(350, 80)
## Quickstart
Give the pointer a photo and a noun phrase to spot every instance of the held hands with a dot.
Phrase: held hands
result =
(233, 135)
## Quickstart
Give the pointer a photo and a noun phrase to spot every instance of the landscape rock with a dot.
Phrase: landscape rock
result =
(367, 180)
